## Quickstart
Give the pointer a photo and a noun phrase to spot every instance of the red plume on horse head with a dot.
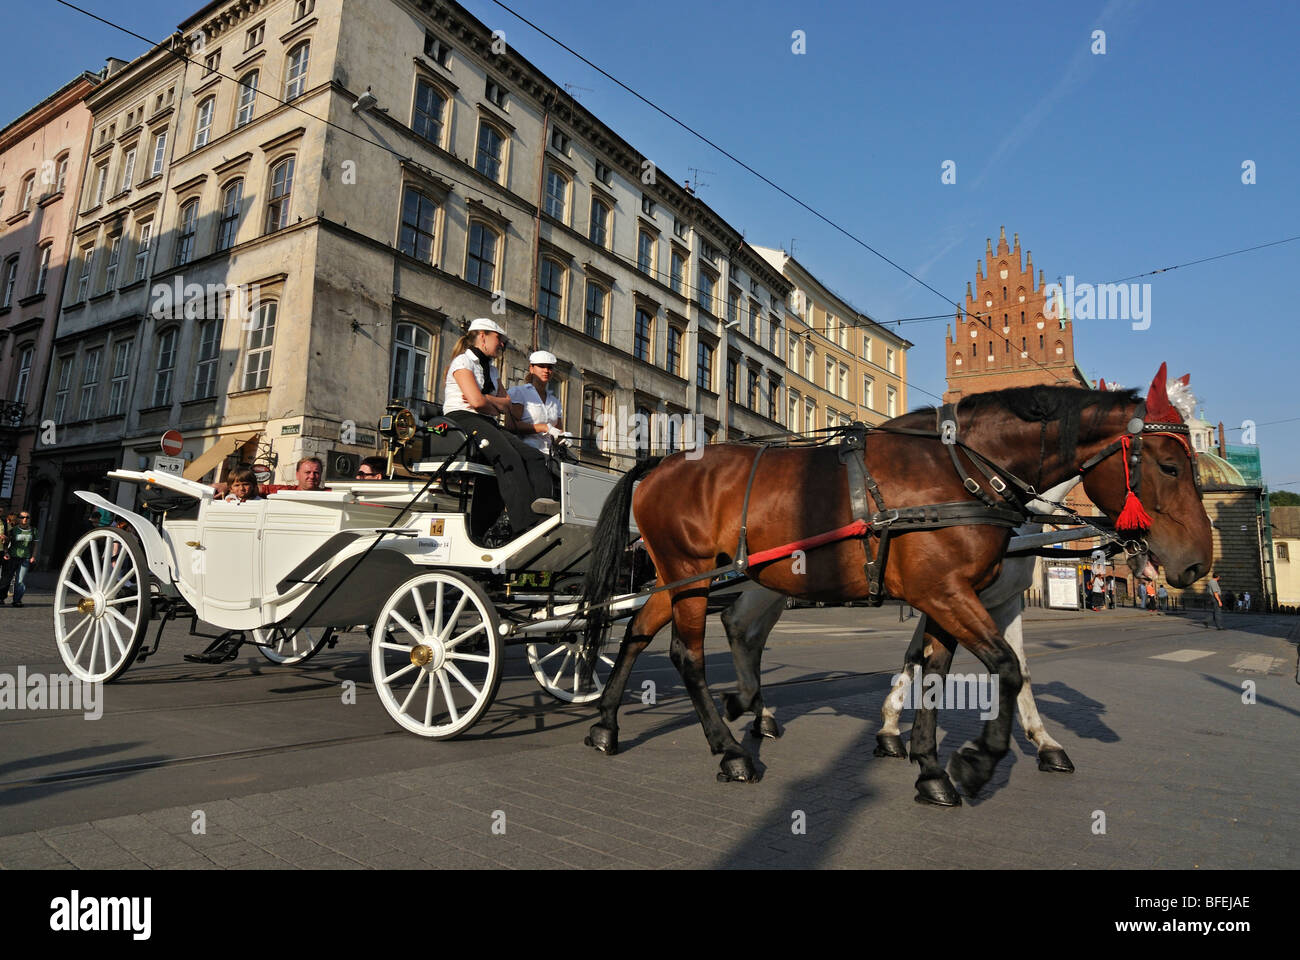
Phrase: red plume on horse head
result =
(1159, 409)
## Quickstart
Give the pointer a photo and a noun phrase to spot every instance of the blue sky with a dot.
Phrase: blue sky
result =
(1107, 165)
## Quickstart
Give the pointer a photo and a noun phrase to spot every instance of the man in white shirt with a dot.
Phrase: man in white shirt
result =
(536, 409)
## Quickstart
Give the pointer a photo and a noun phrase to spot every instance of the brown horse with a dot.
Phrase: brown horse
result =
(689, 513)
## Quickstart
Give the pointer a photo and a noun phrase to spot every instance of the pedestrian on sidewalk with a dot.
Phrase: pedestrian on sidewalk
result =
(1162, 597)
(1098, 592)
(1151, 595)
(1110, 593)
(1216, 602)
(19, 550)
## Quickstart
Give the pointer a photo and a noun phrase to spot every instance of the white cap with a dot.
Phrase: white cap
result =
(483, 323)
(542, 358)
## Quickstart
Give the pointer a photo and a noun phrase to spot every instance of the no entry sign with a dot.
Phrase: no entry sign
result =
(171, 442)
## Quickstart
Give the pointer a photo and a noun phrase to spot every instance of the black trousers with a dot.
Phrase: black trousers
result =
(522, 472)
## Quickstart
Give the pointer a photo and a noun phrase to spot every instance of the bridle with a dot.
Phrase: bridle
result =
(1131, 443)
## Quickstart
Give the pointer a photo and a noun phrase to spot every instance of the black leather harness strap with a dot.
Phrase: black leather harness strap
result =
(742, 548)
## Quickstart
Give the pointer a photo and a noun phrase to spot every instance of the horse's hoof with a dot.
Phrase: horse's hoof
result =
(603, 739)
(937, 791)
(738, 767)
(972, 769)
(1054, 761)
(766, 726)
(732, 706)
(890, 745)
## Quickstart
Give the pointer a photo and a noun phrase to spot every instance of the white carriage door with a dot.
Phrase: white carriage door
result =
(231, 563)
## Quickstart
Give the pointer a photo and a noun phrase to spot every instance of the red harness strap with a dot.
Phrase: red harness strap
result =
(858, 528)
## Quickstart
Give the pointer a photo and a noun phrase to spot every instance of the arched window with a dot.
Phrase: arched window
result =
(28, 192)
(205, 369)
(643, 335)
(557, 194)
(165, 368)
(599, 222)
(593, 409)
(10, 279)
(247, 97)
(594, 323)
(426, 120)
(480, 260)
(295, 77)
(645, 252)
(43, 268)
(550, 290)
(418, 216)
(677, 272)
(491, 152)
(277, 202)
(24, 373)
(185, 232)
(411, 357)
(61, 174)
(956, 360)
(232, 207)
(120, 382)
(261, 339)
(203, 122)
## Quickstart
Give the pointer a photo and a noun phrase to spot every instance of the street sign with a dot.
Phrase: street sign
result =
(172, 442)
(174, 465)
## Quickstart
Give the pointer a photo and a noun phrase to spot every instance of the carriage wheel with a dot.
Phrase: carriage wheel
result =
(102, 605)
(436, 654)
(555, 666)
(285, 648)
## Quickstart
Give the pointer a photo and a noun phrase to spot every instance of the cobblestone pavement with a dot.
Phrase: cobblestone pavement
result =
(1173, 770)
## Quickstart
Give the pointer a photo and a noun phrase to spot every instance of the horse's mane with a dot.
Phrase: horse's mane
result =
(1037, 404)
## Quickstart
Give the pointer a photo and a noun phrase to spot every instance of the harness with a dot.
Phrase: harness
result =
(1014, 509)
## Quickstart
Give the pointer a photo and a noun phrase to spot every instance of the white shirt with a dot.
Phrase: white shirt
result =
(453, 396)
(536, 410)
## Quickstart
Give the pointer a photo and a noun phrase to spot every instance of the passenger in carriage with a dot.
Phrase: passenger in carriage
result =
(242, 486)
(536, 409)
(371, 468)
(474, 396)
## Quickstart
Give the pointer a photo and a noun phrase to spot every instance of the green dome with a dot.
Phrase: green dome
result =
(1217, 472)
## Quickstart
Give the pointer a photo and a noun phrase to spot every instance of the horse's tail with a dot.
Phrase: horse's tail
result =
(608, 543)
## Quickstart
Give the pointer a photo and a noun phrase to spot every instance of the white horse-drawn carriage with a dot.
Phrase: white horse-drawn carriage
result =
(408, 559)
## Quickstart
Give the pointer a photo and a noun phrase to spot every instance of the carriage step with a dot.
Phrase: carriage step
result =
(223, 649)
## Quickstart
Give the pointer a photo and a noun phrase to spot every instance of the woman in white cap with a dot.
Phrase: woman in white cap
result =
(473, 396)
(537, 410)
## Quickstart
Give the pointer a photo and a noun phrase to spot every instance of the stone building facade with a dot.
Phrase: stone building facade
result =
(842, 365)
(1286, 554)
(42, 154)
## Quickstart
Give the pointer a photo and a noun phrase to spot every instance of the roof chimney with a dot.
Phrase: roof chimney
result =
(1223, 447)
(113, 65)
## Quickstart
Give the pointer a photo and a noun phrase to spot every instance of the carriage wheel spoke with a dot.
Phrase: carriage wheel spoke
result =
(428, 705)
(67, 638)
(607, 661)
(106, 562)
(402, 621)
(414, 687)
(111, 627)
(402, 647)
(94, 647)
(118, 601)
(446, 695)
(94, 562)
(556, 652)
(406, 669)
(114, 613)
(455, 672)
(476, 657)
(90, 581)
(438, 597)
(451, 644)
(568, 655)
(72, 586)
(455, 619)
(420, 609)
